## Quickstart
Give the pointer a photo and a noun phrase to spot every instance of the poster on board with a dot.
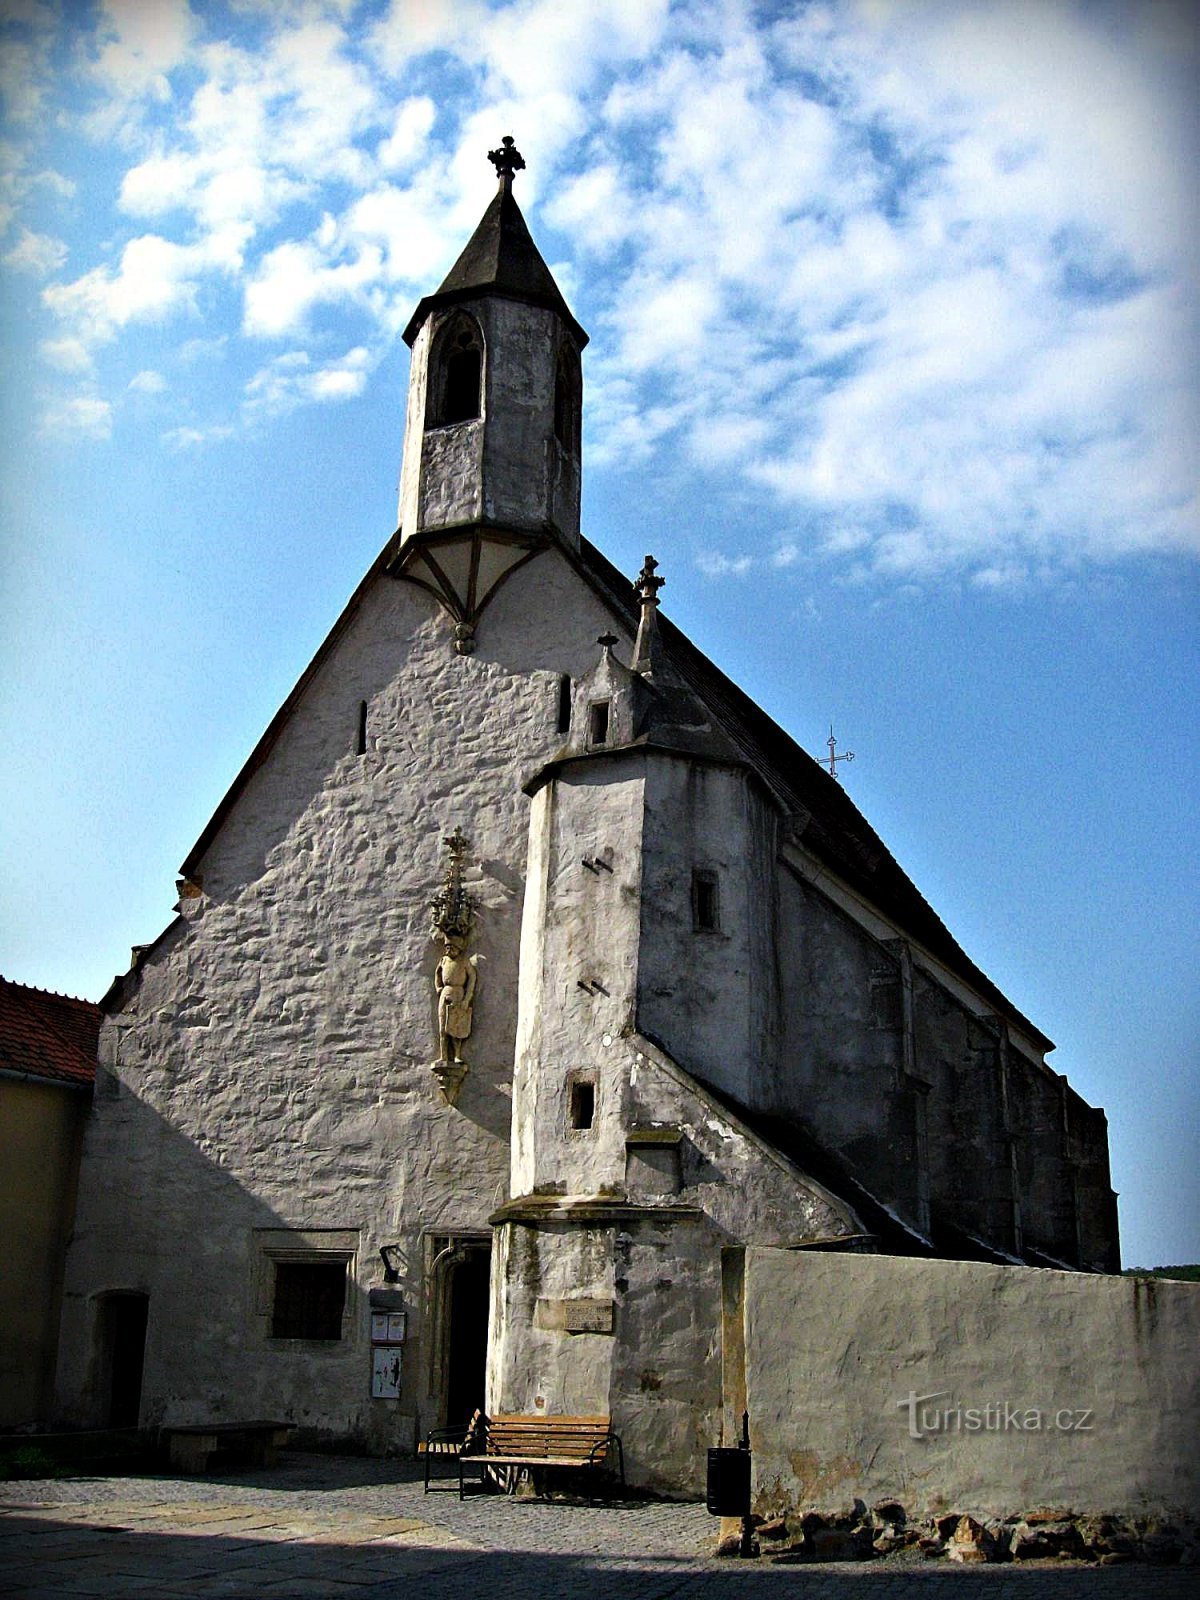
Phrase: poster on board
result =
(385, 1373)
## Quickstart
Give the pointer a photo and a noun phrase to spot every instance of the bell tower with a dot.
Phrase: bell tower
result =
(492, 438)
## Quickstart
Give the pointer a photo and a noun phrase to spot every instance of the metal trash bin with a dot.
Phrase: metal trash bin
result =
(728, 1492)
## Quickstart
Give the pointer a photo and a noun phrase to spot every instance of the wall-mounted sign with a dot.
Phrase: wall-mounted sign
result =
(389, 1327)
(385, 1373)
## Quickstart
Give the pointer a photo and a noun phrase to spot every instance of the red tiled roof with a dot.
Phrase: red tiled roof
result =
(48, 1035)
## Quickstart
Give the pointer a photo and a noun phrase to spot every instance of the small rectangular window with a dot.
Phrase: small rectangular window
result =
(362, 727)
(886, 1007)
(598, 722)
(310, 1297)
(706, 910)
(564, 704)
(583, 1103)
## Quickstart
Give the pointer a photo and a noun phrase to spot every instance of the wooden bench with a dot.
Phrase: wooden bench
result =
(446, 1444)
(200, 1446)
(504, 1445)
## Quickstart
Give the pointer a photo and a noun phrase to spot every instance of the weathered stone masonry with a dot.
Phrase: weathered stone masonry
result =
(708, 1011)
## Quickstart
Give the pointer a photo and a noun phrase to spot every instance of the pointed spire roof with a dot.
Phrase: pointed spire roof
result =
(500, 258)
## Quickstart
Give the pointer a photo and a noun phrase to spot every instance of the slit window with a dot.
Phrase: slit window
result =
(598, 722)
(567, 396)
(564, 704)
(706, 908)
(310, 1297)
(362, 727)
(582, 1106)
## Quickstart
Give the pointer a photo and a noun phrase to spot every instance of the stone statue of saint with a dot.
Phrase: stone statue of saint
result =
(457, 973)
(454, 980)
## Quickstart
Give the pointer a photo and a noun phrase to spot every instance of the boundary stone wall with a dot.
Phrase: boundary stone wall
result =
(957, 1386)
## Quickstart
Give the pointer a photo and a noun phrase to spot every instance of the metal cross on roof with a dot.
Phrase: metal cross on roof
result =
(507, 159)
(847, 755)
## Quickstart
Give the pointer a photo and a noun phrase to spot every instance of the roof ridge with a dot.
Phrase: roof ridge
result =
(52, 994)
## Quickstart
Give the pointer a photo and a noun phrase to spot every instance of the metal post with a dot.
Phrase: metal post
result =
(748, 1547)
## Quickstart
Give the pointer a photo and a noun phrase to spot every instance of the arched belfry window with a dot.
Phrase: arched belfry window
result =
(456, 374)
(568, 398)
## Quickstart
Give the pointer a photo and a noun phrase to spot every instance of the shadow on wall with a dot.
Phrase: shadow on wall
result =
(171, 1304)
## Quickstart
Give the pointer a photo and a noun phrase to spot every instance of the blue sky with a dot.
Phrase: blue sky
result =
(893, 367)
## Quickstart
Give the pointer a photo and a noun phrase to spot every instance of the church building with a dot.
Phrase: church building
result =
(527, 973)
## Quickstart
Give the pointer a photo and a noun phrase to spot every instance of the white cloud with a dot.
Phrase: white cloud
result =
(920, 272)
(21, 85)
(715, 564)
(36, 253)
(25, 60)
(155, 278)
(291, 380)
(294, 278)
(191, 438)
(148, 382)
(140, 44)
(410, 133)
(157, 185)
(81, 415)
(68, 355)
(407, 30)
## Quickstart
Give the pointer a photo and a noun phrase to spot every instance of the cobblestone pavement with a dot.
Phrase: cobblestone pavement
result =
(337, 1528)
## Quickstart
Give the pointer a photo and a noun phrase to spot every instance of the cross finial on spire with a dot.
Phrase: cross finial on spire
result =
(646, 584)
(646, 646)
(506, 160)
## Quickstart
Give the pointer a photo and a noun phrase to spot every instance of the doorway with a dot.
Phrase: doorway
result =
(123, 1346)
(465, 1300)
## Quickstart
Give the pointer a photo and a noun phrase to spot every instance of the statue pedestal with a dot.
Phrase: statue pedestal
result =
(450, 1075)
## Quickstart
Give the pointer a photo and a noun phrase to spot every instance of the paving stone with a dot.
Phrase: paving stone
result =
(329, 1528)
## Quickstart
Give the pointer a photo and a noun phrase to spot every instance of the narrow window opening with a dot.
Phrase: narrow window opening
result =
(455, 375)
(362, 727)
(706, 909)
(583, 1103)
(598, 722)
(567, 400)
(886, 1008)
(462, 383)
(564, 704)
(310, 1297)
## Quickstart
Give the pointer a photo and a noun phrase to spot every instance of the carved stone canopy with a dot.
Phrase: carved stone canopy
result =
(463, 569)
(453, 908)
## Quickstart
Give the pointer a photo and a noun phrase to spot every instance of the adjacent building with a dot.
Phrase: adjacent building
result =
(47, 1071)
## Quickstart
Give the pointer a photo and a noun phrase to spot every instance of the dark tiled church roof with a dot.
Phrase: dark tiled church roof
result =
(500, 258)
(44, 1035)
(836, 831)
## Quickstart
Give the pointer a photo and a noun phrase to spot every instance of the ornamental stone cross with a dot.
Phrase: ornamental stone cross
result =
(506, 160)
(646, 583)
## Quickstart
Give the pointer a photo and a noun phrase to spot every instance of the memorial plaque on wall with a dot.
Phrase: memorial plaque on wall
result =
(575, 1316)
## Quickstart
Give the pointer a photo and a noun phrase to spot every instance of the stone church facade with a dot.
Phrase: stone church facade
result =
(526, 974)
